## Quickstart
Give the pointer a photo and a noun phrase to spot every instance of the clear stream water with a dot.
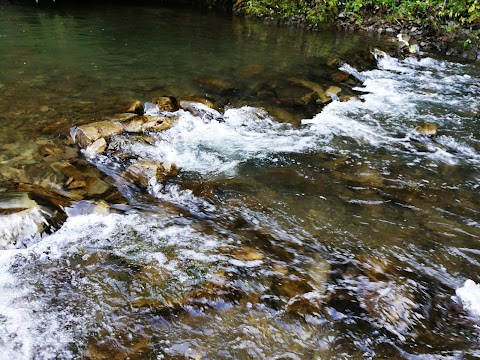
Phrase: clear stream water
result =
(331, 233)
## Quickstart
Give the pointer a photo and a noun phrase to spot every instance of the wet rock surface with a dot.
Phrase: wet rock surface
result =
(428, 130)
(147, 172)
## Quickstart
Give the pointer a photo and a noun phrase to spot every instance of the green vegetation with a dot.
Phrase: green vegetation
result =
(312, 11)
(466, 12)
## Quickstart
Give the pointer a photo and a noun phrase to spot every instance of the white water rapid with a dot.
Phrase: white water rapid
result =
(113, 275)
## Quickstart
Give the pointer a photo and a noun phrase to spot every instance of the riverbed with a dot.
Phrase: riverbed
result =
(326, 203)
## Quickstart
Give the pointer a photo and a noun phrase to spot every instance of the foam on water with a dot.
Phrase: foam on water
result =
(22, 228)
(55, 319)
(397, 97)
(23, 333)
(469, 295)
(30, 327)
(218, 146)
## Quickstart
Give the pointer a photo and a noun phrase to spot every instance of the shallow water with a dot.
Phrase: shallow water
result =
(328, 232)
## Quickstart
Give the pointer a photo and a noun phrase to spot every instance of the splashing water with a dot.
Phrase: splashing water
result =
(344, 236)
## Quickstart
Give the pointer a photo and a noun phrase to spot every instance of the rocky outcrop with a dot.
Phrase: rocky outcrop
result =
(93, 138)
(103, 137)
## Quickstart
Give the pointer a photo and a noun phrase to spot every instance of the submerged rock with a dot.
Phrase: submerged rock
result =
(49, 149)
(8, 173)
(68, 170)
(285, 116)
(295, 94)
(309, 84)
(249, 71)
(291, 286)
(340, 76)
(395, 302)
(325, 96)
(247, 253)
(215, 85)
(110, 349)
(86, 181)
(51, 152)
(200, 188)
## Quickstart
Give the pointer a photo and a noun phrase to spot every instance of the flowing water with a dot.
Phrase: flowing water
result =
(291, 232)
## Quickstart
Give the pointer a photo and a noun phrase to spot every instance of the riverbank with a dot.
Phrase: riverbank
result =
(450, 39)
(451, 30)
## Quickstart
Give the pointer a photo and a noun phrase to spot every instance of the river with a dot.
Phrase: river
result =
(297, 227)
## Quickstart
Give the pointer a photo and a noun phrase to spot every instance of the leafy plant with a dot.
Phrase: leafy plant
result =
(464, 11)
